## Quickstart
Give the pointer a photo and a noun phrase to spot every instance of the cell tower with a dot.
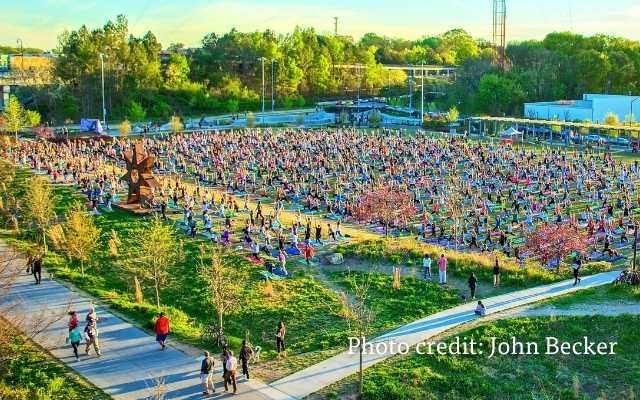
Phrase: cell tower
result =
(499, 31)
(335, 26)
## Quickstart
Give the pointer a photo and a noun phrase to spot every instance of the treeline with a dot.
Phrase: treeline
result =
(561, 66)
(225, 73)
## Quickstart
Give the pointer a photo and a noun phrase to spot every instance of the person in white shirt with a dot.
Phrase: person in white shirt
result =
(426, 267)
(231, 366)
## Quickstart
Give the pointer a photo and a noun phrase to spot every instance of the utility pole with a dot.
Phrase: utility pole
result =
(262, 59)
(273, 85)
(422, 93)
(104, 108)
(410, 91)
(335, 26)
(359, 79)
(19, 41)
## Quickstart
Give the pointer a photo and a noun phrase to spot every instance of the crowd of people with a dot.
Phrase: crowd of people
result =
(233, 187)
(469, 195)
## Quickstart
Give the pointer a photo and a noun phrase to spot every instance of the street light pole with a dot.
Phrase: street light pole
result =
(262, 59)
(410, 91)
(19, 41)
(273, 75)
(104, 108)
(359, 80)
(422, 93)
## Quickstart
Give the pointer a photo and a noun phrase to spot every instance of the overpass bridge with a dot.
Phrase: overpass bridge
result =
(429, 71)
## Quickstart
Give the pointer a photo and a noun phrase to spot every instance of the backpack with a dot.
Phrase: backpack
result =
(231, 364)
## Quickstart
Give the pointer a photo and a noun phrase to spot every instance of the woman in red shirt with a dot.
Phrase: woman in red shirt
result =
(162, 330)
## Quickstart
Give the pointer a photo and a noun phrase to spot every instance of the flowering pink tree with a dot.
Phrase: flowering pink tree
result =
(387, 205)
(552, 243)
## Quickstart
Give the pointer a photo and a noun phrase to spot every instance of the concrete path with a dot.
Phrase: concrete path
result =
(132, 361)
(325, 373)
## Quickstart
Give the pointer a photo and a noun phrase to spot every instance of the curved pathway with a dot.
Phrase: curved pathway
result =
(132, 361)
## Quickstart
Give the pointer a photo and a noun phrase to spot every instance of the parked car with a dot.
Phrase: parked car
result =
(620, 141)
(594, 139)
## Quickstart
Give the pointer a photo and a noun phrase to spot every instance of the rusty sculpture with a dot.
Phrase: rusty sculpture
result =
(139, 175)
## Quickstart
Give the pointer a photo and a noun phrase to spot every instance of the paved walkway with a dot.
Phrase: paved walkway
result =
(325, 373)
(131, 359)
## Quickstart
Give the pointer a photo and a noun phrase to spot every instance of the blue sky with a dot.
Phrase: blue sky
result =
(39, 22)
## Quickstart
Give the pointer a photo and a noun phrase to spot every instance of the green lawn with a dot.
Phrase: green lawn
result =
(311, 310)
(416, 298)
(409, 253)
(520, 377)
(27, 372)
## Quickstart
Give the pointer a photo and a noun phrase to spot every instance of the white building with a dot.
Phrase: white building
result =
(592, 107)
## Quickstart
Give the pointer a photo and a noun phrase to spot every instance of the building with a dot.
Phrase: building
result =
(592, 107)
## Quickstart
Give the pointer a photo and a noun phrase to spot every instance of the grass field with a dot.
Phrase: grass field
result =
(515, 377)
(311, 310)
(27, 372)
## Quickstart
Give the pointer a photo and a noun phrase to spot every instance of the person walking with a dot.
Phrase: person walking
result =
(75, 336)
(577, 265)
(280, 333)
(496, 273)
(91, 332)
(473, 281)
(442, 269)
(246, 352)
(36, 268)
(73, 321)
(231, 366)
(162, 328)
(426, 266)
(308, 254)
(206, 374)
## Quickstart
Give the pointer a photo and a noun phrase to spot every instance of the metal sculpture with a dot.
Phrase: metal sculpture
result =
(139, 175)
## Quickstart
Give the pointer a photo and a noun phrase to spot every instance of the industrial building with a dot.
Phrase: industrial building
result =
(592, 107)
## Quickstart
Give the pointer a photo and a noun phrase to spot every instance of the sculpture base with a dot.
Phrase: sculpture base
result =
(133, 208)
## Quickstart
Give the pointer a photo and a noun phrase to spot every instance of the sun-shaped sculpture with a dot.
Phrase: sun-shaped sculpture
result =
(139, 175)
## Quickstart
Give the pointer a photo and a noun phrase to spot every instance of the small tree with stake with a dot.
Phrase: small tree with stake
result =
(39, 206)
(223, 284)
(157, 253)
(552, 243)
(388, 205)
(81, 235)
(361, 315)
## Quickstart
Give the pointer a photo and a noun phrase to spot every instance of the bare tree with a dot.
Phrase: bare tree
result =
(361, 315)
(12, 315)
(223, 283)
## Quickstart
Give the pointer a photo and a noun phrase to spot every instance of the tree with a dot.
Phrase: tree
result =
(158, 251)
(553, 242)
(13, 115)
(387, 205)
(32, 118)
(176, 124)
(81, 235)
(223, 284)
(136, 112)
(39, 202)
(125, 127)
(452, 115)
(361, 315)
(177, 71)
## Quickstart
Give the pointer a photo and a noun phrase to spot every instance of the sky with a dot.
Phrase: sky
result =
(39, 22)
